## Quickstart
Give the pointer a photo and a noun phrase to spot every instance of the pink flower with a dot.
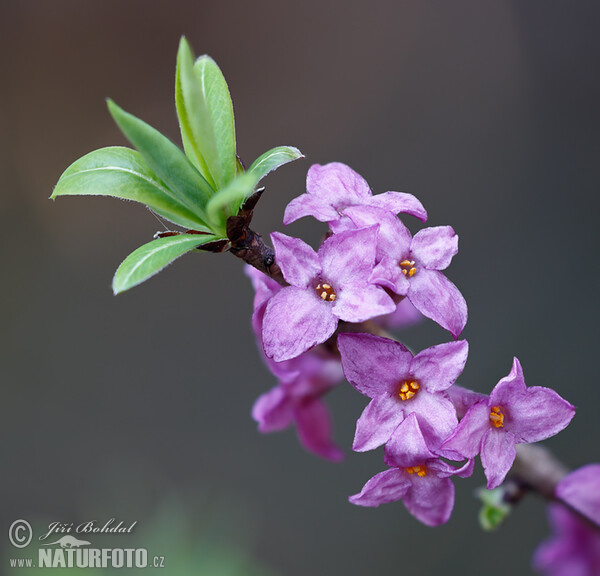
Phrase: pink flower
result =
(574, 550)
(325, 287)
(581, 490)
(332, 188)
(417, 477)
(400, 384)
(302, 383)
(513, 414)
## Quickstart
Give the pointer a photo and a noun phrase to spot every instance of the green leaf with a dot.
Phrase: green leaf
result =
(227, 202)
(152, 257)
(494, 509)
(122, 173)
(273, 159)
(190, 108)
(205, 116)
(168, 162)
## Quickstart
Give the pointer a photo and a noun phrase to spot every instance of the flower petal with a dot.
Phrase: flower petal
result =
(313, 422)
(308, 205)
(435, 247)
(431, 499)
(399, 202)
(273, 410)
(295, 320)
(389, 275)
(373, 365)
(337, 184)
(465, 441)
(537, 414)
(387, 486)
(407, 445)
(297, 260)
(438, 367)
(394, 237)
(437, 416)
(509, 386)
(581, 490)
(377, 423)
(264, 288)
(348, 258)
(498, 452)
(437, 298)
(362, 302)
(531, 414)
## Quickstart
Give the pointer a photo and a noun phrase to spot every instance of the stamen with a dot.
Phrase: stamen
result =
(408, 267)
(326, 292)
(497, 417)
(408, 389)
(420, 471)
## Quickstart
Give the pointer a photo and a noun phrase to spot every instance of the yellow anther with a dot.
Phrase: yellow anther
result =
(497, 417)
(420, 471)
(408, 267)
(408, 389)
(326, 292)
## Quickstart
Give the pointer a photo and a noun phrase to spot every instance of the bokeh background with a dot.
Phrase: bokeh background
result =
(111, 406)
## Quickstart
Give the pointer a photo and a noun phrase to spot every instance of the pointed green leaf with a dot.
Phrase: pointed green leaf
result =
(122, 173)
(206, 116)
(152, 257)
(167, 161)
(190, 108)
(217, 96)
(273, 159)
(227, 202)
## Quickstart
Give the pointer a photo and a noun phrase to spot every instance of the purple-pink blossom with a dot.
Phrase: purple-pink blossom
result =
(573, 550)
(513, 414)
(325, 287)
(332, 188)
(297, 399)
(581, 490)
(411, 266)
(416, 476)
(302, 383)
(400, 384)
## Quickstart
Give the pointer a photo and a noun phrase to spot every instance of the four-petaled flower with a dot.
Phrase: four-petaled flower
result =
(574, 550)
(400, 384)
(297, 399)
(411, 266)
(513, 414)
(332, 188)
(417, 477)
(581, 490)
(325, 287)
(302, 382)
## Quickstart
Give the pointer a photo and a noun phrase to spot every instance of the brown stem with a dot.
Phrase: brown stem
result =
(250, 247)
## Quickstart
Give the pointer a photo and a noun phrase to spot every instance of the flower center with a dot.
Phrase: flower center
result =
(420, 471)
(408, 267)
(325, 291)
(497, 417)
(408, 389)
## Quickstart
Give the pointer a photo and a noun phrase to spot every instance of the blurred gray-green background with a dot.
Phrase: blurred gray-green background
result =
(488, 111)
